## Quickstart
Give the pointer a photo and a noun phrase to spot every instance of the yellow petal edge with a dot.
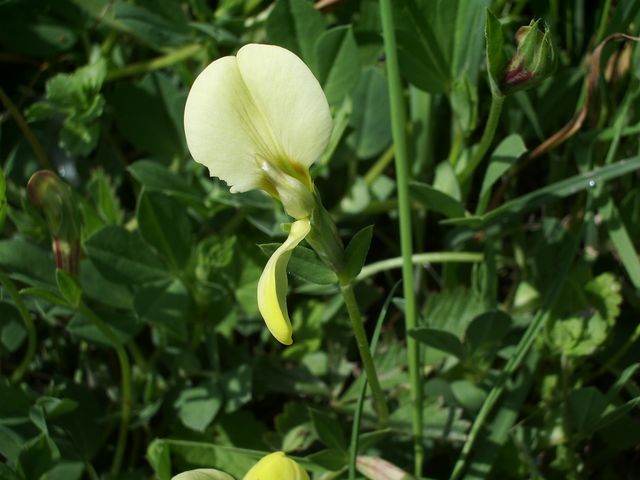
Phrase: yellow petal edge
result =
(276, 466)
(273, 283)
(203, 474)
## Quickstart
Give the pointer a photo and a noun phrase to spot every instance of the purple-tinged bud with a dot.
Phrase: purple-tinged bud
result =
(54, 197)
(535, 59)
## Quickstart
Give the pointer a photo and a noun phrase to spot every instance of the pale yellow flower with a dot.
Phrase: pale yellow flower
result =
(258, 120)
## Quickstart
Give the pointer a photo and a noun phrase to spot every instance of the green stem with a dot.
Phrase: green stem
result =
(566, 259)
(21, 369)
(380, 166)
(604, 17)
(487, 137)
(24, 127)
(125, 369)
(398, 128)
(419, 259)
(357, 416)
(155, 64)
(350, 302)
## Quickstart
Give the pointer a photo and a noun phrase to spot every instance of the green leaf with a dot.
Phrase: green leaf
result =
(496, 58)
(149, 114)
(159, 457)
(356, 252)
(12, 330)
(502, 158)
(550, 193)
(166, 307)
(328, 430)
(237, 385)
(586, 406)
(124, 325)
(37, 457)
(235, 461)
(306, 264)
(487, 330)
(370, 117)
(69, 287)
(123, 257)
(105, 197)
(165, 225)
(197, 406)
(27, 261)
(296, 25)
(436, 200)
(337, 65)
(468, 395)
(330, 459)
(440, 340)
(155, 30)
(419, 53)
(155, 177)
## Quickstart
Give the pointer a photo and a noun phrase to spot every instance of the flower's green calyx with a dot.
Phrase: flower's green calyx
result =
(535, 59)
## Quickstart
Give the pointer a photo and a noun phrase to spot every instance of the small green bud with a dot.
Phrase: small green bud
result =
(54, 197)
(535, 59)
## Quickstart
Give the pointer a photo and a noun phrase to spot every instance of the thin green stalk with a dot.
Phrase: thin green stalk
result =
(487, 137)
(155, 64)
(125, 370)
(604, 18)
(24, 127)
(398, 128)
(381, 164)
(21, 369)
(380, 405)
(566, 259)
(419, 259)
(357, 416)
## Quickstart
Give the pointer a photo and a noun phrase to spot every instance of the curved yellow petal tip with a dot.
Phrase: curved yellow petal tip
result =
(272, 286)
(276, 466)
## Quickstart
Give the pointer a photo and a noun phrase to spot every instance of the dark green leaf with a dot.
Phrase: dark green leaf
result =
(122, 257)
(337, 66)
(496, 58)
(370, 118)
(328, 430)
(436, 200)
(197, 406)
(487, 330)
(166, 307)
(440, 340)
(330, 459)
(69, 287)
(37, 457)
(356, 252)
(295, 25)
(586, 406)
(164, 224)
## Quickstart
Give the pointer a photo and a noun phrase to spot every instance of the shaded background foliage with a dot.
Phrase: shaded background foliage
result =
(95, 90)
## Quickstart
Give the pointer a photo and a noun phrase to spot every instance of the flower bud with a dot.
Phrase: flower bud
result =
(54, 197)
(276, 466)
(535, 59)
